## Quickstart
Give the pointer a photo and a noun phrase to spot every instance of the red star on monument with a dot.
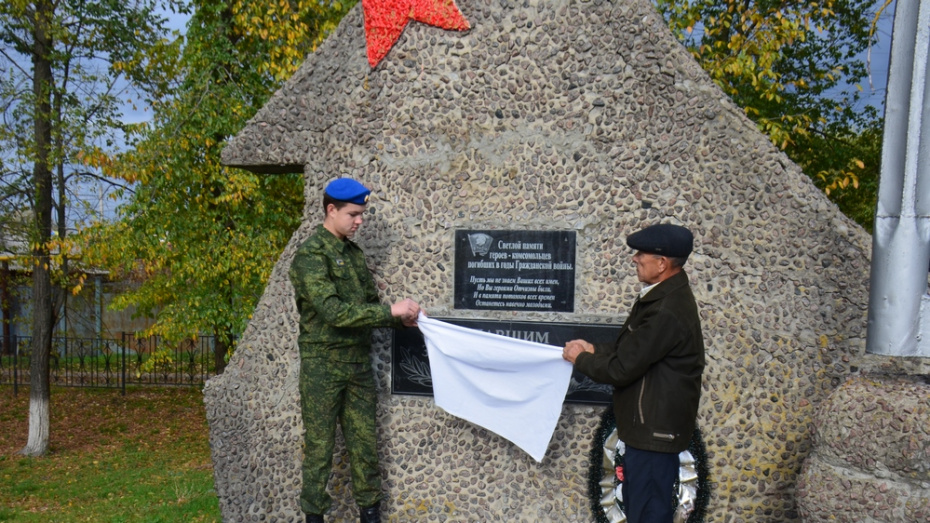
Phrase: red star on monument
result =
(385, 21)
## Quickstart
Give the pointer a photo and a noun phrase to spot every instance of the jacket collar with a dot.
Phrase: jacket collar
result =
(329, 239)
(666, 287)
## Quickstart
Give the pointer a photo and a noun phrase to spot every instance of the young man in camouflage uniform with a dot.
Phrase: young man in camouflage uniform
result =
(339, 305)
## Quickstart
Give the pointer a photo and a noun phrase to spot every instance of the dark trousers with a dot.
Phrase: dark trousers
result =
(649, 478)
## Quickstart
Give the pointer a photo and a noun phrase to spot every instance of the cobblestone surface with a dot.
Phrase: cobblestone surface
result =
(872, 453)
(558, 115)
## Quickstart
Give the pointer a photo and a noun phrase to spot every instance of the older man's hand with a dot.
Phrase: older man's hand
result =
(575, 347)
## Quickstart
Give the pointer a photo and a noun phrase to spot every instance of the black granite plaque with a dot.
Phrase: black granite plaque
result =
(515, 270)
(410, 372)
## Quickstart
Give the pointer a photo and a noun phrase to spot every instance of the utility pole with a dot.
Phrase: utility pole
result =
(899, 306)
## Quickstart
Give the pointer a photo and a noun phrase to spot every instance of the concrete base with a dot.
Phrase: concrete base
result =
(871, 455)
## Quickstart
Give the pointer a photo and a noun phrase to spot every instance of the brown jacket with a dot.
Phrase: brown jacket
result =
(655, 368)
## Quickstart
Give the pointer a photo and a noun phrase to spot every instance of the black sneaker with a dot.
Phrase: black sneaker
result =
(313, 518)
(369, 515)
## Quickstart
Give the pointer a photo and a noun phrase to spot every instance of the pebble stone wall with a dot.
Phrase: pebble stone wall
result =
(546, 115)
(871, 452)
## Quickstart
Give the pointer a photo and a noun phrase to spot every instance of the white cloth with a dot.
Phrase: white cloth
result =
(514, 388)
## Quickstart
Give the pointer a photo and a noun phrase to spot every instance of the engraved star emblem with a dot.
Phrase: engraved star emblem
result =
(385, 20)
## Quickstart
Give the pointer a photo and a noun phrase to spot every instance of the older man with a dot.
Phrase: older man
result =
(655, 367)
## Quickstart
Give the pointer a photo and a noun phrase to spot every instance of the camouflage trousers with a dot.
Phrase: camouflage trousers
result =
(332, 391)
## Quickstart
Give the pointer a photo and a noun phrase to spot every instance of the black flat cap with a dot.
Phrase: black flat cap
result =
(663, 239)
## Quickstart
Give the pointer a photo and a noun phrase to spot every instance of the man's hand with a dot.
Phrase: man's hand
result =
(407, 310)
(574, 348)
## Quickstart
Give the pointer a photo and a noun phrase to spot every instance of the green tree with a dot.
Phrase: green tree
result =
(795, 68)
(63, 63)
(859, 202)
(201, 239)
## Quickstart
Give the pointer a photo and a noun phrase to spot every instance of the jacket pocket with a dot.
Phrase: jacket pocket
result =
(663, 435)
(340, 272)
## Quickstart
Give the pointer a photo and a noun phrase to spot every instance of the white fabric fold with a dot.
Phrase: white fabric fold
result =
(514, 388)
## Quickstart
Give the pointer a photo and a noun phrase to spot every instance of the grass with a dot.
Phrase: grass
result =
(143, 457)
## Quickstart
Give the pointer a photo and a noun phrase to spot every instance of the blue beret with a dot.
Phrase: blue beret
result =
(663, 239)
(348, 190)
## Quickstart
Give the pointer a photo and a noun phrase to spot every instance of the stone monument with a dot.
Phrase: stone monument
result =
(578, 116)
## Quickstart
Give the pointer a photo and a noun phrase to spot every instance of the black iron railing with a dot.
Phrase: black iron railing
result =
(115, 363)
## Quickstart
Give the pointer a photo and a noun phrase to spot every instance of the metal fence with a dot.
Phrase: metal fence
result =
(114, 363)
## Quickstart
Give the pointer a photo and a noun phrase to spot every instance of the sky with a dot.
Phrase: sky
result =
(873, 88)
(878, 58)
(96, 195)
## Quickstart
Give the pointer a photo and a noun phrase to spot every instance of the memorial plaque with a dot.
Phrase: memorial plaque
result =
(410, 372)
(515, 270)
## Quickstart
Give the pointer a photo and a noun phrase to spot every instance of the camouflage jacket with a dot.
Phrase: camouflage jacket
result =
(336, 298)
